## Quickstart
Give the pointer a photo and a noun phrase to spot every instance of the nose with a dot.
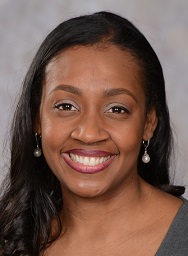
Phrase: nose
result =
(90, 129)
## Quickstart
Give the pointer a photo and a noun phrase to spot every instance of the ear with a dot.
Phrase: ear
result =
(37, 126)
(150, 124)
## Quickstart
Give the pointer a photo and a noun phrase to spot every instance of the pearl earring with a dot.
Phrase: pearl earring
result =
(37, 152)
(146, 157)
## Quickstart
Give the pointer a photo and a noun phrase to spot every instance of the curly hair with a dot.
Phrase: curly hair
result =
(33, 197)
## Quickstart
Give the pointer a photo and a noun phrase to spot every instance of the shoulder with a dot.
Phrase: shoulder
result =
(176, 240)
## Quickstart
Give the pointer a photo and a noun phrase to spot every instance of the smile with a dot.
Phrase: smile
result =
(88, 162)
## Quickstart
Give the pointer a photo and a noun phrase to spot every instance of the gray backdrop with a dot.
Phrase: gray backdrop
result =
(24, 24)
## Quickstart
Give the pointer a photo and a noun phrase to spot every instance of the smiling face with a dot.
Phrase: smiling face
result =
(93, 119)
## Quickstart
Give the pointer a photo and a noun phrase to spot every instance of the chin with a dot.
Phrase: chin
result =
(86, 190)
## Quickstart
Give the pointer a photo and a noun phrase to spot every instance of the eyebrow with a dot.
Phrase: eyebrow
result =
(67, 88)
(107, 93)
(119, 91)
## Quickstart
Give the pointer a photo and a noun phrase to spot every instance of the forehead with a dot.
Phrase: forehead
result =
(96, 65)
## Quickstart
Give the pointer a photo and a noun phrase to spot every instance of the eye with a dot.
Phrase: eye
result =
(65, 107)
(118, 110)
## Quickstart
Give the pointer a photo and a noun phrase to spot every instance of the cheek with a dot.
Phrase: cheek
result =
(53, 133)
(53, 137)
(128, 138)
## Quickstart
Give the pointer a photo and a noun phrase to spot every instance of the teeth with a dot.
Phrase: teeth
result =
(100, 160)
(91, 161)
(77, 158)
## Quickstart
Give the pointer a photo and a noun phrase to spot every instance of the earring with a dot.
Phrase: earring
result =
(37, 152)
(146, 157)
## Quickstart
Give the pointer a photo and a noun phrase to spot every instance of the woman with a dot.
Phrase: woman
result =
(93, 109)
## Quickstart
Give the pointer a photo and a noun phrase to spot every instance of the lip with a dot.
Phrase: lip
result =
(87, 169)
(95, 153)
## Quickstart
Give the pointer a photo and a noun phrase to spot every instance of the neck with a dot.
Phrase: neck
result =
(82, 212)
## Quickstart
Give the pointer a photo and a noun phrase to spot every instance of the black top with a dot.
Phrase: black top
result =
(175, 242)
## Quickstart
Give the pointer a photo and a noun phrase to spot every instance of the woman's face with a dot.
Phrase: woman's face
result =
(93, 119)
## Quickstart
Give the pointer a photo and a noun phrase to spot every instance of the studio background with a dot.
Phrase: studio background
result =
(24, 24)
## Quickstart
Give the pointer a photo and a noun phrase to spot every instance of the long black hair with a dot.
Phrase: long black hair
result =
(33, 199)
